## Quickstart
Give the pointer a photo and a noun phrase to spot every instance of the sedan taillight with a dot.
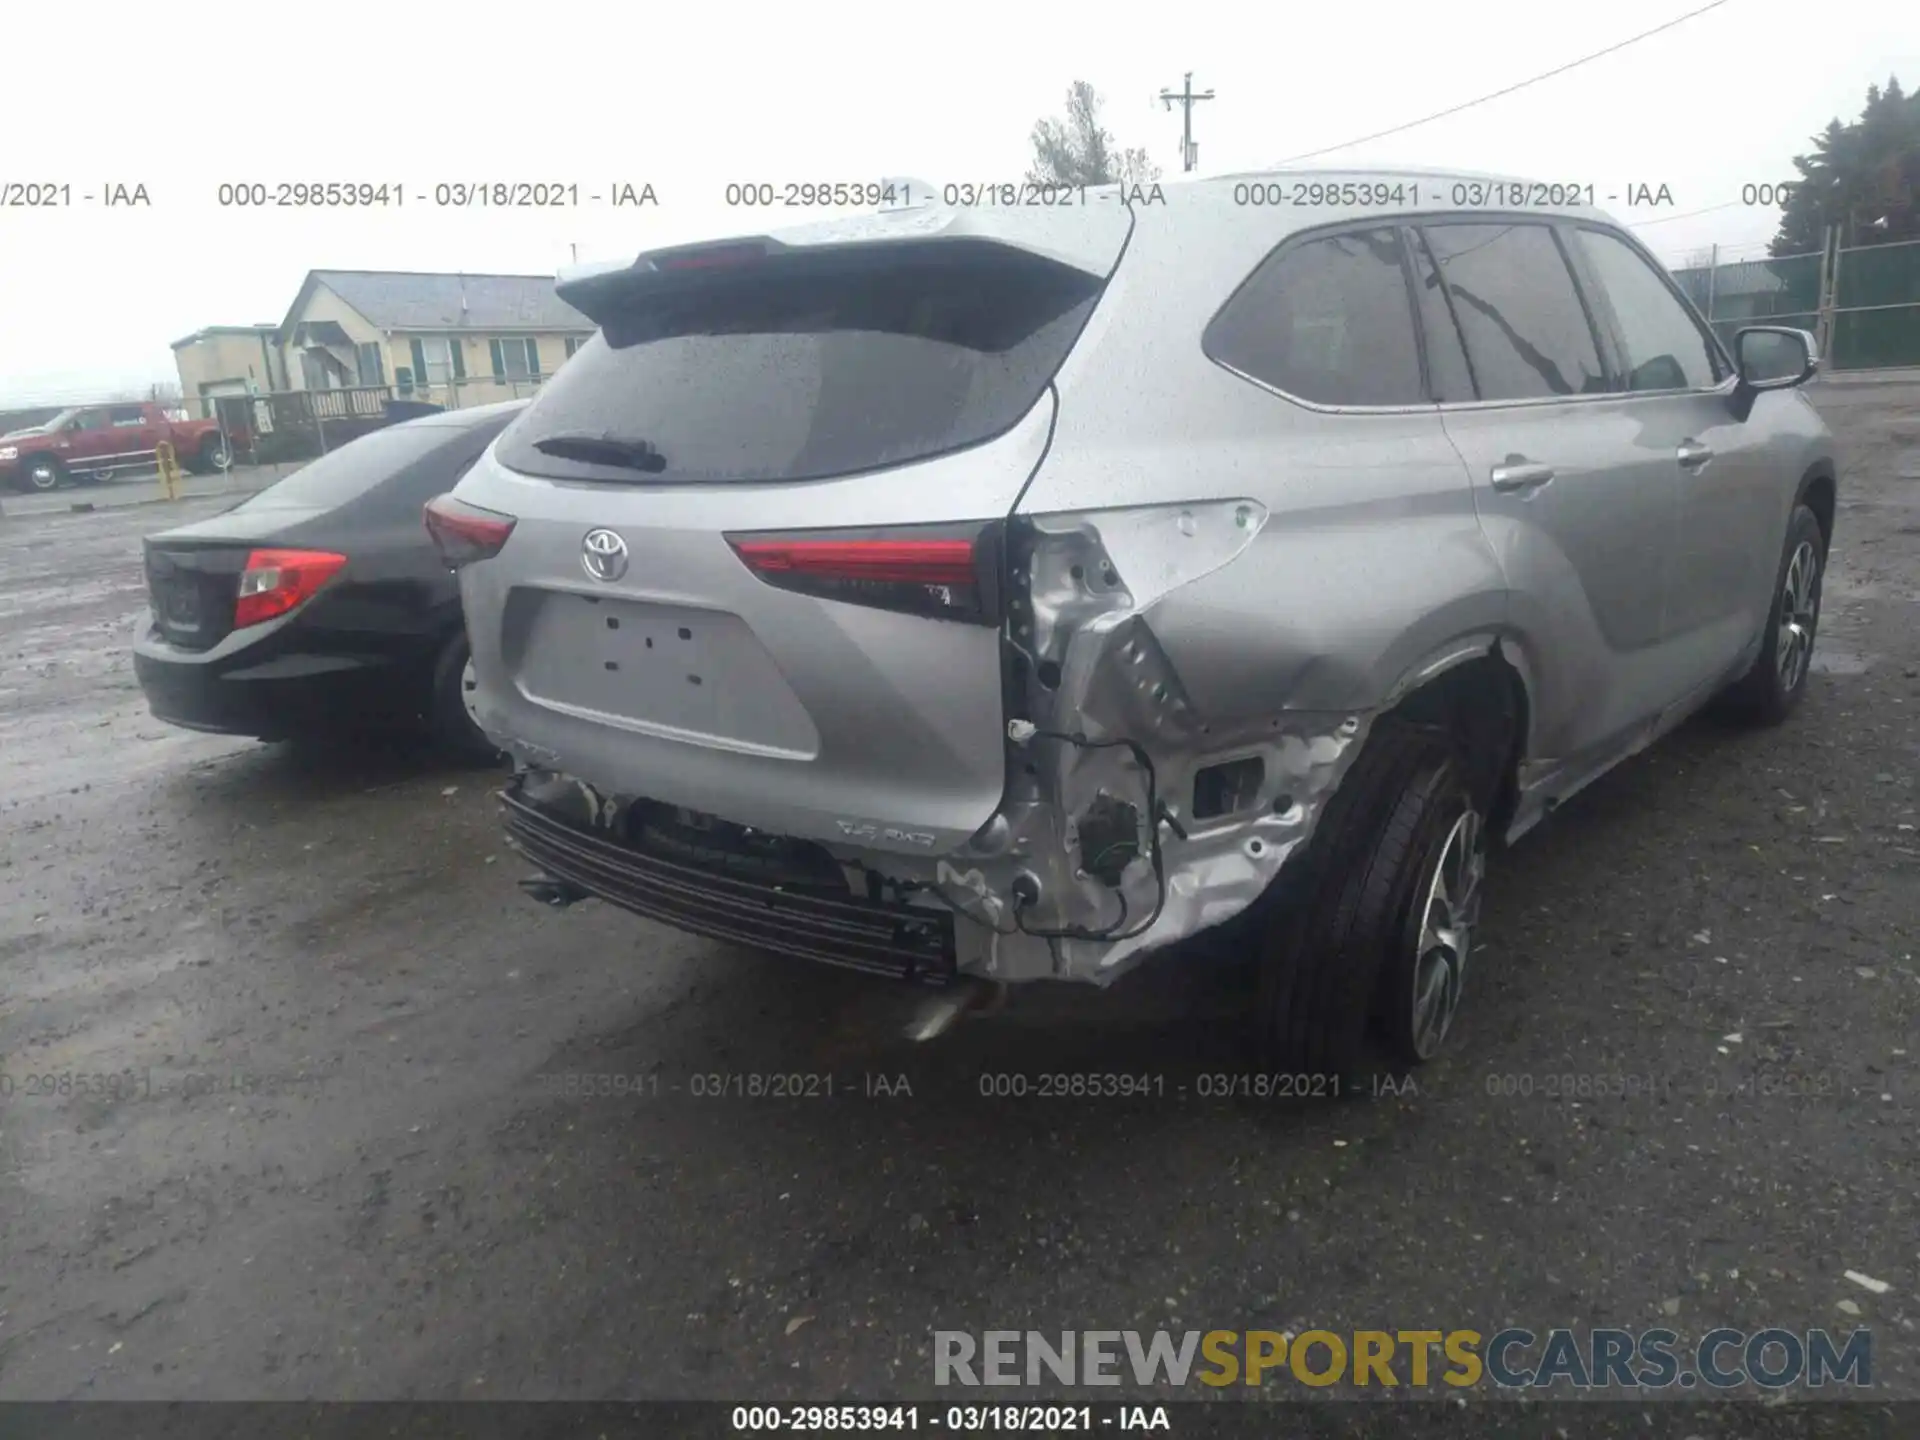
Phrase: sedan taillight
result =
(465, 533)
(276, 581)
(950, 573)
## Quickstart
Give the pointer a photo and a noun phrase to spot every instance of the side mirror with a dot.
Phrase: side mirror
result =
(1774, 357)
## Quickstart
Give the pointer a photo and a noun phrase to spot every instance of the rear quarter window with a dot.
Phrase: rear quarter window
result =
(1326, 320)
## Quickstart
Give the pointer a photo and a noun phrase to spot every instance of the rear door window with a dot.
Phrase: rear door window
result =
(1448, 374)
(787, 371)
(1526, 330)
(1326, 320)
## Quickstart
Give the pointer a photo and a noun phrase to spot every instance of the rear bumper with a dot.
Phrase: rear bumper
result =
(898, 941)
(277, 696)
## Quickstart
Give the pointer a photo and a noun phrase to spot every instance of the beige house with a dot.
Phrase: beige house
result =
(454, 340)
(228, 360)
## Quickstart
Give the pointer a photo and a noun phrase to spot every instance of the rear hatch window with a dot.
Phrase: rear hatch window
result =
(779, 369)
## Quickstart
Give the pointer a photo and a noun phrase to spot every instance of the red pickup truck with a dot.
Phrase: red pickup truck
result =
(91, 442)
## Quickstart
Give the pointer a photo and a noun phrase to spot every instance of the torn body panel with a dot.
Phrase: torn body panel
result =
(1110, 842)
(1100, 853)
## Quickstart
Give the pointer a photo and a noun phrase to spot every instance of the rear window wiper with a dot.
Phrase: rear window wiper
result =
(605, 450)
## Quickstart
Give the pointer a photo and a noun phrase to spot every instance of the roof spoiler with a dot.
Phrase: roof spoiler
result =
(917, 214)
(597, 290)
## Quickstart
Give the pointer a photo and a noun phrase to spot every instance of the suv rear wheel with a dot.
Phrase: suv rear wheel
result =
(1376, 928)
(1768, 692)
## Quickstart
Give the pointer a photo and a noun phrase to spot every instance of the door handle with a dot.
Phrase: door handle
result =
(1517, 477)
(1692, 454)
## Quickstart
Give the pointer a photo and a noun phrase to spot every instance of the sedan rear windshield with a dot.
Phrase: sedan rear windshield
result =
(350, 470)
(786, 371)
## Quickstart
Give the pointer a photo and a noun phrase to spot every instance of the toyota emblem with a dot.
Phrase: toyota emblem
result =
(604, 555)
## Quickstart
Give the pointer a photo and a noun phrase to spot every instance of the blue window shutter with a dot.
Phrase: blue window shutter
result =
(499, 360)
(457, 348)
(419, 359)
(533, 356)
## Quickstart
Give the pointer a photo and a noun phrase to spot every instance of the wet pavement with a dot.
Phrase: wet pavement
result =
(139, 488)
(283, 1110)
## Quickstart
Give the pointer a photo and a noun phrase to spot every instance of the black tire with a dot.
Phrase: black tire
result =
(453, 728)
(1768, 693)
(42, 473)
(207, 459)
(1338, 946)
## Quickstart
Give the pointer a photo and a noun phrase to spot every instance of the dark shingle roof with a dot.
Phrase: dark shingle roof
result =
(399, 300)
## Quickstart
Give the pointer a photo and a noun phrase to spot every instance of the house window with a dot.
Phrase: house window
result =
(574, 342)
(515, 359)
(438, 360)
(372, 364)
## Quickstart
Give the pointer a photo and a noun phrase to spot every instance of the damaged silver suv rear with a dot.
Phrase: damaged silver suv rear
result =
(1007, 595)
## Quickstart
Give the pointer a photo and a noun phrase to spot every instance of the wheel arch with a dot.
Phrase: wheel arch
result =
(1819, 491)
(1479, 688)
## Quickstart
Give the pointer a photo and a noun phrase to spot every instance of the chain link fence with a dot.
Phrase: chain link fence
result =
(1876, 309)
(1863, 302)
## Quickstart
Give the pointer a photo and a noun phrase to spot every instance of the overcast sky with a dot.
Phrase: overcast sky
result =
(688, 98)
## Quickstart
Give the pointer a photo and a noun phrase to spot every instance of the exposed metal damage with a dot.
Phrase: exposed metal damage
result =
(1098, 855)
(1131, 819)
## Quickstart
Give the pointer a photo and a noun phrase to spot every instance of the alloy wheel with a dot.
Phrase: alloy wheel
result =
(1799, 614)
(1452, 909)
(469, 686)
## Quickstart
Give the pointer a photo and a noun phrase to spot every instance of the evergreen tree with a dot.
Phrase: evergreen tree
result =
(1863, 177)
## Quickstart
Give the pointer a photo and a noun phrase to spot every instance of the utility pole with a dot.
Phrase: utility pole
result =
(1188, 98)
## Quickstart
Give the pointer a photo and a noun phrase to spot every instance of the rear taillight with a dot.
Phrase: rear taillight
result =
(276, 581)
(465, 533)
(951, 574)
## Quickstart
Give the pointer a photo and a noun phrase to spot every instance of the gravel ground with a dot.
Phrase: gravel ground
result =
(333, 1170)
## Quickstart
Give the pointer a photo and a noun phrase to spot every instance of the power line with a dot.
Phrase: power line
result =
(1669, 219)
(1469, 104)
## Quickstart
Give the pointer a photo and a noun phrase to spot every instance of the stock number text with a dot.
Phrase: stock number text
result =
(310, 194)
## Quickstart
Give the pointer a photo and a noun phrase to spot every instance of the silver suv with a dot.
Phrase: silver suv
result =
(1009, 593)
